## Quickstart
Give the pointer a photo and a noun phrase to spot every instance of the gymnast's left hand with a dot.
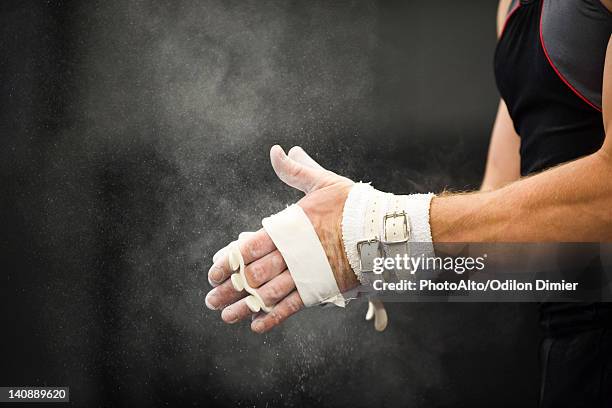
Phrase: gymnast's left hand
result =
(323, 203)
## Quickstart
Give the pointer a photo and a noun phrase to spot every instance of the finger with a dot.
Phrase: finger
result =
(245, 235)
(264, 269)
(252, 248)
(285, 308)
(223, 295)
(299, 155)
(221, 252)
(241, 237)
(292, 173)
(271, 293)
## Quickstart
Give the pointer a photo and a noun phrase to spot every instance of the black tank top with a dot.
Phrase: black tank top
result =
(549, 66)
(549, 70)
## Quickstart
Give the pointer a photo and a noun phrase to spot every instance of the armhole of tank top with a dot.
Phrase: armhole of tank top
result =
(514, 5)
(605, 9)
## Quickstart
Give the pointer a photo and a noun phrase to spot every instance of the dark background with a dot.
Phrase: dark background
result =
(134, 144)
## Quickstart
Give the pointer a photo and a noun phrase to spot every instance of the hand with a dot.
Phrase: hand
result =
(265, 269)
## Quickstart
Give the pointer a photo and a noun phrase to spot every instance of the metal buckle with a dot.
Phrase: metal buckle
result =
(406, 227)
(368, 250)
(406, 230)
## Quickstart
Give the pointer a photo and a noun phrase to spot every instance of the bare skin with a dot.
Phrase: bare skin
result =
(503, 160)
(571, 202)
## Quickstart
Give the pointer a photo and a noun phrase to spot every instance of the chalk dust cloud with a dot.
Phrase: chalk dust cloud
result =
(159, 157)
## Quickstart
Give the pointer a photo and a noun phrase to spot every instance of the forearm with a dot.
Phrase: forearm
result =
(572, 202)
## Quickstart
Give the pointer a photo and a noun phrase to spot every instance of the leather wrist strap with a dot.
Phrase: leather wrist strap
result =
(369, 248)
(297, 241)
(396, 228)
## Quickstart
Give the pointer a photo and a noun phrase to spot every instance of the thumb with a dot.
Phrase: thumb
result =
(299, 155)
(293, 173)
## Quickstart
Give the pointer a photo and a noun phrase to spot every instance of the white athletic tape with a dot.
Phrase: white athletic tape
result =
(361, 220)
(297, 240)
(239, 282)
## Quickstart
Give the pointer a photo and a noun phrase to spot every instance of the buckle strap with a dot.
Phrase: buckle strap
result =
(396, 228)
(370, 248)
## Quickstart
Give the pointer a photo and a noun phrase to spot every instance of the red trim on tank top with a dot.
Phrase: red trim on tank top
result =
(510, 13)
(565, 81)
